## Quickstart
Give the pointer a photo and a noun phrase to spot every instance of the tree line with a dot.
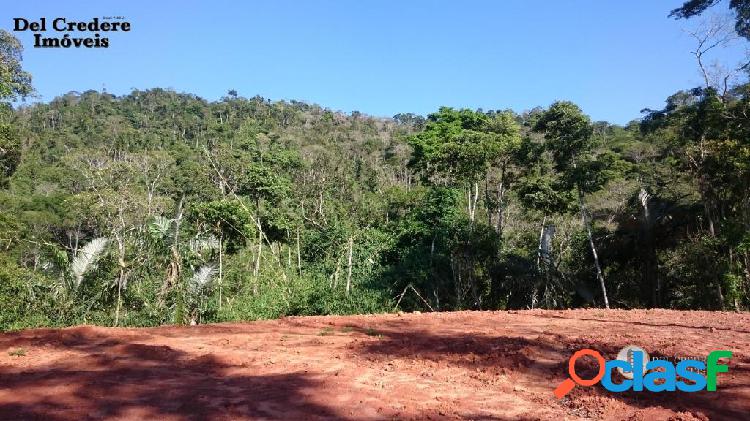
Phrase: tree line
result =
(162, 207)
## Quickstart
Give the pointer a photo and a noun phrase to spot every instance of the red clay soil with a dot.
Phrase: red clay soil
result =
(463, 365)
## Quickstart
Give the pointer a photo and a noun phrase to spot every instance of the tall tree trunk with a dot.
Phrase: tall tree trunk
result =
(651, 282)
(349, 266)
(473, 199)
(221, 265)
(121, 276)
(256, 270)
(534, 291)
(175, 264)
(539, 249)
(119, 297)
(587, 224)
(708, 207)
(500, 209)
(476, 199)
(487, 201)
(709, 218)
(501, 201)
(299, 255)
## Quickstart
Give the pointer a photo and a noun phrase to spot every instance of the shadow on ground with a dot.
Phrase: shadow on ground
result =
(114, 374)
(122, 378)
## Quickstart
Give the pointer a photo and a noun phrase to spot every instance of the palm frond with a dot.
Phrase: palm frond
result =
(201, 244)
(159, 227)
(86, 258)
(202, 276)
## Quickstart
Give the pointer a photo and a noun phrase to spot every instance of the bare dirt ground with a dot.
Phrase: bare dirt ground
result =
(463, 365)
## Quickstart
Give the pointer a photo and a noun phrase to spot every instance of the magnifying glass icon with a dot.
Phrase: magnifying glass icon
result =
(568, 384)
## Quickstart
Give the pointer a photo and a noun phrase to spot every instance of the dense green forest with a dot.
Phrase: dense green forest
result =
(162, 207)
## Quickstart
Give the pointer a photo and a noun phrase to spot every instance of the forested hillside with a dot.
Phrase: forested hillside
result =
(162, 207)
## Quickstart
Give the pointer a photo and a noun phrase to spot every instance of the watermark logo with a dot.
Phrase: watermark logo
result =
(628, 354)
(654, 375)
(72, 34)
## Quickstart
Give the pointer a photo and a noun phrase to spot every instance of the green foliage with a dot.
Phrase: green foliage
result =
(160, 207)
(225, 219)
(14, 81)
(462, 144)
(567, 131)
(25, 298)
(10, 152)
(86, 259)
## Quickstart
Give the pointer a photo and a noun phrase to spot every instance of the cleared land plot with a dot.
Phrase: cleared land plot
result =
(462, 365)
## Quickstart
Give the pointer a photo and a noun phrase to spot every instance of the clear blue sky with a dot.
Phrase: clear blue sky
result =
(379, 57)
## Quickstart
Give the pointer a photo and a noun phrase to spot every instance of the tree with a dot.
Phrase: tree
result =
(459, 146)
(706, 138)
(253, 169)
(116, 198)
(15, 83)
(696, 7)
(261, 207)
(709, 35)
(568, 134)
(227, 220)
(10, 152)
